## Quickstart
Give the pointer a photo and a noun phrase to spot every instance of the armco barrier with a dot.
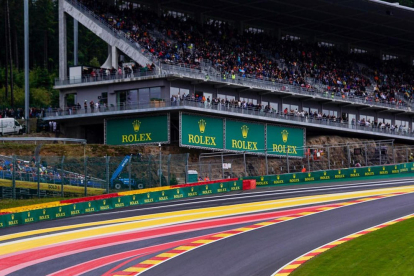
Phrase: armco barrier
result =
(94, 204)
(332, 175)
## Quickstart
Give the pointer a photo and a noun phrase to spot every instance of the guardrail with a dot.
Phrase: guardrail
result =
(50, 115)
(117, 33)
(265, 83)
(67, 208)
(271, 85)
(38, 139)
(332, 175)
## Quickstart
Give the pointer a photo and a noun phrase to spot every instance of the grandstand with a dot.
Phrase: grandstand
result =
(323, 67)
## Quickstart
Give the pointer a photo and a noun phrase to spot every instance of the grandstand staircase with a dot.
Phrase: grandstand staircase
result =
(108, 34)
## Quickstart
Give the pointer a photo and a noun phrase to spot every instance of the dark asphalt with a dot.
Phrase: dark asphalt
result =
(263, 251)
(260, 252)
(261, 194)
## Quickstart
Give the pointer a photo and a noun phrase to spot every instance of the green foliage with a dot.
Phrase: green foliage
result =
(43, 51)
(387, 251)
(173, 180)
(94, 62)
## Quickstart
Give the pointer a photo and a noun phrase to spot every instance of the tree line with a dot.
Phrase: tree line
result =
(43, 51)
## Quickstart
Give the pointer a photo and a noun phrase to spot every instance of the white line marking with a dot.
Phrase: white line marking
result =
(337, 240)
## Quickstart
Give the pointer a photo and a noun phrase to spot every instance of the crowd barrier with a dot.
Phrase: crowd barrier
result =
(331, 175)
(73, 207)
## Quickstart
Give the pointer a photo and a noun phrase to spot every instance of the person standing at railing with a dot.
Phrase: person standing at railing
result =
(85, 105)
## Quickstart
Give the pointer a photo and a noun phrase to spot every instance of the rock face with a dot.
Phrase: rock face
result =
(325, 152)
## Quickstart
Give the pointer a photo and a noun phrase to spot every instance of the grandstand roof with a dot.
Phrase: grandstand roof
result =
(369, 24)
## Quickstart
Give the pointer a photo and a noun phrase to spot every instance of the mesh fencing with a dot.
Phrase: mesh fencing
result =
(44, 176)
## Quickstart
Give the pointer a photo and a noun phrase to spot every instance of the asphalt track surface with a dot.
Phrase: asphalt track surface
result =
(258, 252)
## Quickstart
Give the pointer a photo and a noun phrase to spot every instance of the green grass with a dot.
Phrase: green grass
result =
(388, 251)
(10, 203)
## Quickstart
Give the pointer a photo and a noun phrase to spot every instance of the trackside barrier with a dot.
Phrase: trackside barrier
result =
(73, 207)
(332, 175)
(249, 184)
(67, 208)
(206, 182)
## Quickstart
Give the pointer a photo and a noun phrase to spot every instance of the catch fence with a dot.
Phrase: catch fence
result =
(52, 176)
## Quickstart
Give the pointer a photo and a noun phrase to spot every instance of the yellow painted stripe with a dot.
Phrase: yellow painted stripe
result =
(320, 250)
(167, 255)
(326, 208)
(244, 229)
(355, 236)
(390, 223)
(306, 213)
(337, 242)
(346, 203)
(143, 191)
(265, 223)
(183, 247)
(282, 274)
(292, 266)
(285, 218)
(203, 241)
(135, 269)
(223, 235)
(305, 258)
(151, 262)
(156, 220)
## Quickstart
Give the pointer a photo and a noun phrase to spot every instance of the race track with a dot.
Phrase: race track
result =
(247, 233)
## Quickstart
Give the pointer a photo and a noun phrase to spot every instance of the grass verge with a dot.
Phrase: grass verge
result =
(12, 203)
(388, 251)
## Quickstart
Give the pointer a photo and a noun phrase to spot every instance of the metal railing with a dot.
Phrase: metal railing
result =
(117, 33)
(103, 77)
(187, 70)
(42, 139)
(223, 107)
(263, 84)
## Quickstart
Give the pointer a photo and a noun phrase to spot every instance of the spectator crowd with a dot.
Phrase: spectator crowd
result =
(182, 40)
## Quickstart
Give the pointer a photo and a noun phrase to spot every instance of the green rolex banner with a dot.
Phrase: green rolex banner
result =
(45, 214)
(201, 131)
(244, 136)
(191, 191)
(3, 221)
(411, 167)
(282, 140)
(148, 197)
(12, 219)
(133, 200)
(178, 193)
(405, 167)
(138, 130)
(122, 201)
(236, 185)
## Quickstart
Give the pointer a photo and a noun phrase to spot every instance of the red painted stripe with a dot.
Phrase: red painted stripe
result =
(313, 253)
(175, 251)
(298, 262)
(36, 255)
(125, 273)
(204, 183)
(89, 198)
(143, 265)
(286, 271)
(94, 264)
